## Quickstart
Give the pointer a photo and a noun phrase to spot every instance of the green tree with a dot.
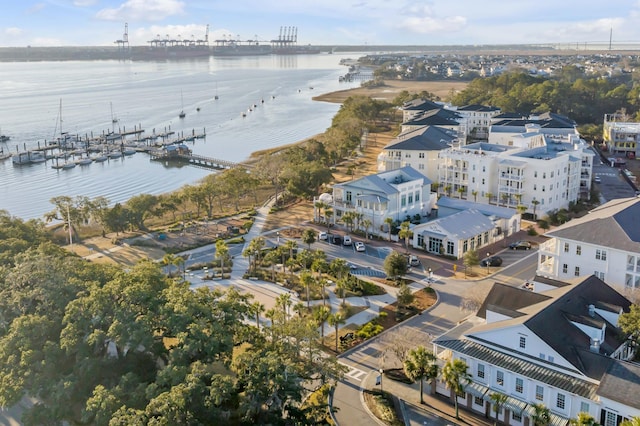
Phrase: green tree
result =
(389, 222)
(71, 211)
(635, 421)
(471, 259)
(320, 315)
(404, 297)
(140, 208)
(395, 265)
(421, 365)
(170, 260)
(309, 237)
(541, 415)
(222, 254)
(405, 233)
(629, 322)
(498, 399)
(456, 377)
(335, 320)
(586, 419)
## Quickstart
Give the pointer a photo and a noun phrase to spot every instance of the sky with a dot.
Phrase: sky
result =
(320, 22)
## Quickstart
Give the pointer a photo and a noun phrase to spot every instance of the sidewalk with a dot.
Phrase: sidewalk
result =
(436, 410)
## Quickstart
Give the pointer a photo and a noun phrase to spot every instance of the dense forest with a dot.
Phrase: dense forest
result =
(95, 344)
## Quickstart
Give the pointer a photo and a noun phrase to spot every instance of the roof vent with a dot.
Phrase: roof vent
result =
(592, 311)
(595, 345)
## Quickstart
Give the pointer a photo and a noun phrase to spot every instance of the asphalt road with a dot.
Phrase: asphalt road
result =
(368, 357)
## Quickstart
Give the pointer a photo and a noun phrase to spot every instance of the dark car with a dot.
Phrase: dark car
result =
(335, 239)
(520, 245)
(491, 261)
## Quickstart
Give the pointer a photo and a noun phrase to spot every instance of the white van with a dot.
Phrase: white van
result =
(346, 240)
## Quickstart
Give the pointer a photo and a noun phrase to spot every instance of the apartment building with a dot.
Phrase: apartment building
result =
(621, 135)
(505, 126)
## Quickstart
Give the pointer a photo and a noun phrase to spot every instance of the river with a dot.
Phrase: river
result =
(41, 99)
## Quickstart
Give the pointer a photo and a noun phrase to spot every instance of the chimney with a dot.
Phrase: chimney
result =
(592, 311)
(595, 345)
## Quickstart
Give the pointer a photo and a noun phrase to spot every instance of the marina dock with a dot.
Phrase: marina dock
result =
(194, 160)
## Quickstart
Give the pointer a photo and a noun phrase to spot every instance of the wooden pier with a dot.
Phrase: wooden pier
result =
(194, 160)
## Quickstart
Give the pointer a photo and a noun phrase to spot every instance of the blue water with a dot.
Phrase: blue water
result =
(150, 95)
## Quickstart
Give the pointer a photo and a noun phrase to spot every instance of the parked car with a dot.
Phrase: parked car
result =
(413, 260)
(520, 245)
(346, 240)
(334, 239)
(491, 261)
(322, 236)
(360, 246)
(597, 179)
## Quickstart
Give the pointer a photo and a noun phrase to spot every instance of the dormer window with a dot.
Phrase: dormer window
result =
(523, 342)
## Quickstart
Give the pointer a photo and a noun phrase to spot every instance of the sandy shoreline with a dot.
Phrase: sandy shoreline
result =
(392, 88)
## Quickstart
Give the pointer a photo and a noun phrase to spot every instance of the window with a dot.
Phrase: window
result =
(417, 197)
(601, 254)
(421, 155)
(523, 342)
(599, 275)
(500, 378)
(542, 356)
(480, 372)
(478, 400)
(550, 358)
(516, 417)
(450, 247)
(560, 401)
(577, 271)
(403, 200)
(410, 198)
(584, 407)
(519, 385)
(539, 393)
(565, 268)
(578, 250)
(566, 247)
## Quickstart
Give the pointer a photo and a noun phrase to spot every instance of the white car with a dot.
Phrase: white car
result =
(360, 246)
(322, 235)
(346, 241)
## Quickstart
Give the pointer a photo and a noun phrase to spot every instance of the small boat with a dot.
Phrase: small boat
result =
(182, 113)
(69, 165)
(129, 151)
(4, 138)
(4, 156)
(244, 114)
(100, 158)
(85, 161)
(37, 157)
(115, 154)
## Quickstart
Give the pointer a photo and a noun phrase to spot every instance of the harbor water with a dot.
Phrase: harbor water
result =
(262, 102)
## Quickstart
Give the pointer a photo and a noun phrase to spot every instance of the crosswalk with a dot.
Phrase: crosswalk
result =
(354, 373)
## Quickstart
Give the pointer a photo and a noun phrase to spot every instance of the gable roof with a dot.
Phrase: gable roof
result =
(508, 298)
(427, 138)
(383, 183)
(435, 117)
(420, 105)
(463, 225)
(478, 108)
(613, 224)
(621, 382)
(569, 341)
(485, 209)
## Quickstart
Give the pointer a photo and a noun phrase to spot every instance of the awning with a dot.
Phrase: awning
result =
(515, 405)
(556, 420)
(476, 389)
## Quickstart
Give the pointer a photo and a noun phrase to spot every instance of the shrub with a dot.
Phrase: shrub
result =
(369, 330)
(531, 231)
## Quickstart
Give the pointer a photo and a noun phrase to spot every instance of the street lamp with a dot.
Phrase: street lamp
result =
(278, 237)
(488, 263)
(381, 371)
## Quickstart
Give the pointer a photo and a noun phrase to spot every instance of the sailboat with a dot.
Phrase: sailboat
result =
(216, 95)
(62, 143)
(182, 113)
(114, 119)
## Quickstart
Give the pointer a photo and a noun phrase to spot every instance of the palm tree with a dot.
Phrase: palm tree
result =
(284, 302)
(257, 308)
(534, 203)
(541, 415)
(498, 400)
(420, 364)
(335, 320)
(460, 191)
(320, 315)
(586, 419)
(389, 222)
(222, 252)
(170, 260)
(489, 196)
(456, 378)
(348, 218)
(475, 195)
(307, 279)
(309, 237)
(366, 224)
(405, 233)
(635, 421)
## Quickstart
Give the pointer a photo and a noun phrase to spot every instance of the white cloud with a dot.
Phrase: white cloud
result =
(84, 3)
(13, 32)
(143, 10)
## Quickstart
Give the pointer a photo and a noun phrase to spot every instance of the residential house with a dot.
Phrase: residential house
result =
(397, 194)
(560, 348)
(502, 130)
(605, 242)
(621, 135)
